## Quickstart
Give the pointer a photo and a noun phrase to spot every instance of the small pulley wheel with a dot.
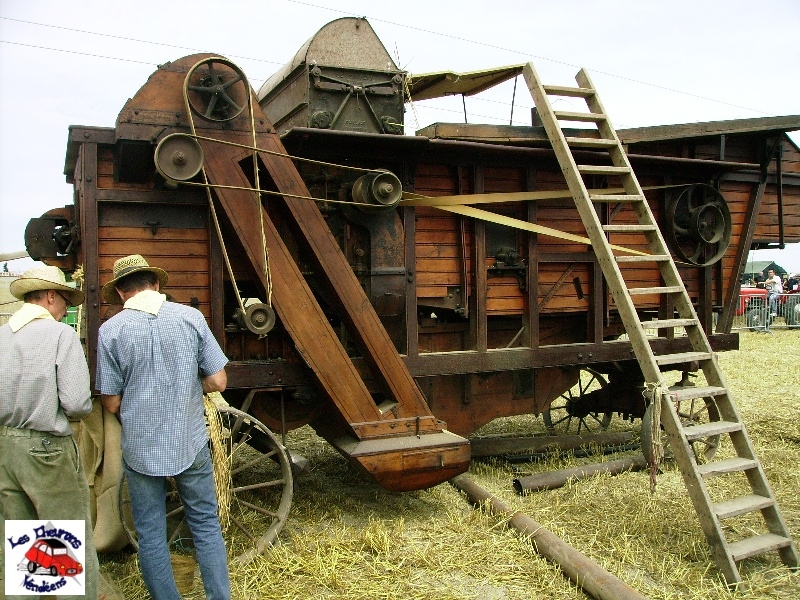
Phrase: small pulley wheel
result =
(698, 225)
(217, 90)
(257, 317)
(178, 157)
(380, 190)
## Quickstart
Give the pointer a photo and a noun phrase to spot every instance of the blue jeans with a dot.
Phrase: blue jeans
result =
(148, 503)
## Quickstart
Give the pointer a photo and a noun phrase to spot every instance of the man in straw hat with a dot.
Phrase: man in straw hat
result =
(154, 361)
(44, 382)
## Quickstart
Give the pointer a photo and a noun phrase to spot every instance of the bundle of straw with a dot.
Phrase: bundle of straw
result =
(220, 456)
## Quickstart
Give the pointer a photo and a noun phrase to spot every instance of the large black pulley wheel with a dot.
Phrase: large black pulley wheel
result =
(217, 89)
(698, 224)
(260, 492)
(581, 409)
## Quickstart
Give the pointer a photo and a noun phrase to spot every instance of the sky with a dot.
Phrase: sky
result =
(653, 63)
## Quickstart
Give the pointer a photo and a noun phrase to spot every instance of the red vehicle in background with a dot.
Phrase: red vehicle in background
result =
(753, 304)
(52, 555)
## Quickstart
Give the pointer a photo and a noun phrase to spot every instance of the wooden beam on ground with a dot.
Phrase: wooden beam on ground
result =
(587, 574)
(551, 480)
(499, 446)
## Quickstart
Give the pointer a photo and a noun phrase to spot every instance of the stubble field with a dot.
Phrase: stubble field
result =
(348, 538)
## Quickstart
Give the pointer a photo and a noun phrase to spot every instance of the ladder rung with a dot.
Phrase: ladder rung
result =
(683, 357)
(603, 170)
(729, 465)
(667, 323)
(756, 545)
(564, 115)
(690, 393)
(586, 142)
(560, 90)
(630, 228)
(634, 258)
(704, 430)
(741, 506)
(667, 289)
(616, 198)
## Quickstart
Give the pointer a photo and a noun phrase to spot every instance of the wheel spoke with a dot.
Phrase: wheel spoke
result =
(257, 508)
(236, 79)
(177, 531)
(243, 529)
(212, 103)
(257, 486)
(258, 459)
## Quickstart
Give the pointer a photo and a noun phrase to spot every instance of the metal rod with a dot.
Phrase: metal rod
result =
(554, 479)
(779, 176)
(513, 97)
(587, 574)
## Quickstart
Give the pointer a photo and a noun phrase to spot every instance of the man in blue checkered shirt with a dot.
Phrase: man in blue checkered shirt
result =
(155, 359)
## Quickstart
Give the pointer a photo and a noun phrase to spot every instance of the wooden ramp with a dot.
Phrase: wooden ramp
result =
(715, 398)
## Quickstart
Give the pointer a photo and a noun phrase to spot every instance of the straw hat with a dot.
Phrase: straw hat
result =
(44, 278)
(127, 266)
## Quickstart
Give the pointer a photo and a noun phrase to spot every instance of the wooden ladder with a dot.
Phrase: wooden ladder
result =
(724, 419)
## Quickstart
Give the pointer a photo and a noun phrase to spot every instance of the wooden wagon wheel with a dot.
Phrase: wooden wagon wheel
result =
(576, 411)
(697, 411)
(261, 486)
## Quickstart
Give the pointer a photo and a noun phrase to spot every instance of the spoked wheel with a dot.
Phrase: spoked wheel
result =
(697, 411)
(217, 89)
(261, 487)
(581, 409)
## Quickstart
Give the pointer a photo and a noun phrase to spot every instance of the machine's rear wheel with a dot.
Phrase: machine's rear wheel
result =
(693, 412)
(261, 487)
(579, 410)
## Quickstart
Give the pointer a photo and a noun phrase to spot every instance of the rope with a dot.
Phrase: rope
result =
(78, 278)
(654, 394)
(257, 181)
(210, 198)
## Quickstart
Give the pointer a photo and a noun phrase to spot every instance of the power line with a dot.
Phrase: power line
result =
(127, 39)
(552, 60)
(377, 20)
(141, 62)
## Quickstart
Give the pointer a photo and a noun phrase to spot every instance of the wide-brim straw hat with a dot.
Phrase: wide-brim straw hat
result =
(45, 278)
(127, 266)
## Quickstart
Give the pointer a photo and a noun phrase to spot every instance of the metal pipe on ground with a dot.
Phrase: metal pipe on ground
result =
(555, 479)
(497, 446)
(588, 575)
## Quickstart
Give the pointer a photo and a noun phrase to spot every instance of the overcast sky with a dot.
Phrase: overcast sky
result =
(655, 62)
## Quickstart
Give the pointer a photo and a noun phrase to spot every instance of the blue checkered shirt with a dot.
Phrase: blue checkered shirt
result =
(155, 362)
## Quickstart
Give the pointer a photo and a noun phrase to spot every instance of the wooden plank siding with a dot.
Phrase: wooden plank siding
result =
(183, 253)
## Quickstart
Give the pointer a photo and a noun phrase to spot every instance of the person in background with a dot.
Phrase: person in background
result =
(774, 290)
(155, 359)
(44, 382)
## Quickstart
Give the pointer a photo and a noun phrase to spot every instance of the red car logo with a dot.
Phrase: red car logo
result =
(52, 554)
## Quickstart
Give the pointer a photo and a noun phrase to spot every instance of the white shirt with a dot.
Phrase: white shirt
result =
(775, 285)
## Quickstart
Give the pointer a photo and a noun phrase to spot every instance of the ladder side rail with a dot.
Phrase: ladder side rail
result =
(594, 230)
(645, 215)
(698, 493)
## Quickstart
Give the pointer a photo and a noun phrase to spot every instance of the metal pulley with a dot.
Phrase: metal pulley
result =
(178, 157)
(257, 317)
(698, 224)
(217, 90)
(380, 189)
